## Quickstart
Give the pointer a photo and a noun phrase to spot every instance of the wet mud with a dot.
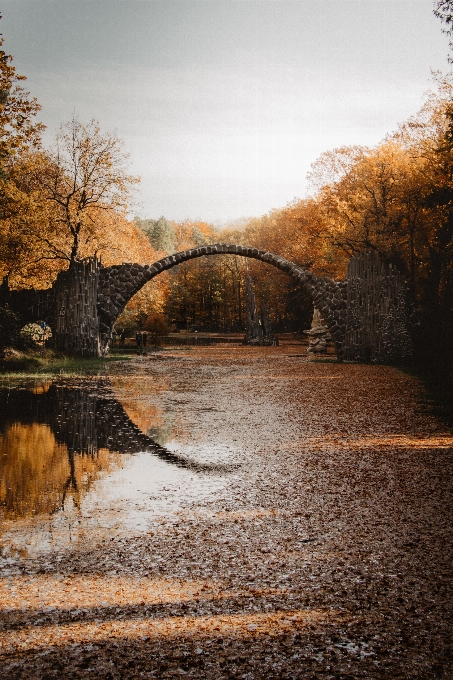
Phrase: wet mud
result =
(306, 534)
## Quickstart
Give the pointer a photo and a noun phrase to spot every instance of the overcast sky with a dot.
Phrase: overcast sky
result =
(224, 104)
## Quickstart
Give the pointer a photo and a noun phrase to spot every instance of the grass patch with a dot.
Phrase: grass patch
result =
(49, 364)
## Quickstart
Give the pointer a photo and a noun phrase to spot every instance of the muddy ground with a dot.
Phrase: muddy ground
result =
(324, 551)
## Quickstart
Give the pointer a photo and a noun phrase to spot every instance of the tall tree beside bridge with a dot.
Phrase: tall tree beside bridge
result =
(87, 182)
(20, 135)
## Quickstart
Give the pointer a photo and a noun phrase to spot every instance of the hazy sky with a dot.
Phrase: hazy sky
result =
(224, 104)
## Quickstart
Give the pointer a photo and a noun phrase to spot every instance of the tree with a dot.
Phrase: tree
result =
(18, 129)
(20, 135)
(430, 136)
(157, 326)
(9, 327)
(148, 301)
(35, 243)
(28, 225)
(161, 233)
(377, 204)
(444, 11)
(88, 183)
(397, 200)
(163, 236)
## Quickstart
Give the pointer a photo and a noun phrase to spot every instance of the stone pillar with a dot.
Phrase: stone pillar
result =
(76, 316)
(378, 312)
(254, 335)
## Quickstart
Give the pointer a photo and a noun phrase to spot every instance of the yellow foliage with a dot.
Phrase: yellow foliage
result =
(35, 470)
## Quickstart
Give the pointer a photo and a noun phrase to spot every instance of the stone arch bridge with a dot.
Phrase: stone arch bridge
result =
(366, 314)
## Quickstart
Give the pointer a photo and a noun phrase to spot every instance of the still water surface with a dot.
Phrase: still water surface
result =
(76, 464)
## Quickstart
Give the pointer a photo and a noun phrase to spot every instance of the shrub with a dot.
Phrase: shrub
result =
(157, 326)
(34, 335)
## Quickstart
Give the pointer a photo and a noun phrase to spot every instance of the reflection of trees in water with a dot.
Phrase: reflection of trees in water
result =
(37, 472)
(34, 469)
(84, 415)
(141, 399)
(59, 437)
(163, 433)
(141, 402)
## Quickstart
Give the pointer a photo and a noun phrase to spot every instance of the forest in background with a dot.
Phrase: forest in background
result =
(72, 200)
(395, 199)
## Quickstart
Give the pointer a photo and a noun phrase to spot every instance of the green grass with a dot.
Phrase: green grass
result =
(50, 366)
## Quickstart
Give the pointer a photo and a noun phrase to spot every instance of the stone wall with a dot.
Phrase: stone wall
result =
(378, 312)
(30, 305)
(76, 323)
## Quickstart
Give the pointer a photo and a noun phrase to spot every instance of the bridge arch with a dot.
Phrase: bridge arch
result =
(119, 283)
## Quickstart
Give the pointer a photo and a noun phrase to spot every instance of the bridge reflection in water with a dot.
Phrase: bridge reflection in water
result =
(58, 437)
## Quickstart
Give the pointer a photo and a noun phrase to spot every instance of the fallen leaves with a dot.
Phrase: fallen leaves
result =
(327, 554)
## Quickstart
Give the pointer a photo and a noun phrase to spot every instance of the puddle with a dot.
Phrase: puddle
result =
(76, 466)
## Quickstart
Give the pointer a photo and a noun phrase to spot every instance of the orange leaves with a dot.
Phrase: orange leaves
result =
(68, 204)
(309, 560)
(18, 130)
(90, 170)
(88, 182)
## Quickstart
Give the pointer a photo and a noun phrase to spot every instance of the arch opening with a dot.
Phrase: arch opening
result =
(118, 284)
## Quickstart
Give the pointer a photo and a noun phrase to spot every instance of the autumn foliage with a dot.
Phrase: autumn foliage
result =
(62, 204)
(395, 199)
(71, 201)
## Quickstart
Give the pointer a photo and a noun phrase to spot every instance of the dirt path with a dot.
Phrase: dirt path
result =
(324, 553)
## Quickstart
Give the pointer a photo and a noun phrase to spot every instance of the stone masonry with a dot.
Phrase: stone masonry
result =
(367, 315)
(118, 284)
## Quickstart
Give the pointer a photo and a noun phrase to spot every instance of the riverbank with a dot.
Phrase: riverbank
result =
(48, 362)
(45, 362)
(324, 551)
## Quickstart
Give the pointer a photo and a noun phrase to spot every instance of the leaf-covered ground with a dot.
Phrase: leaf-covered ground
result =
(324, 553)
